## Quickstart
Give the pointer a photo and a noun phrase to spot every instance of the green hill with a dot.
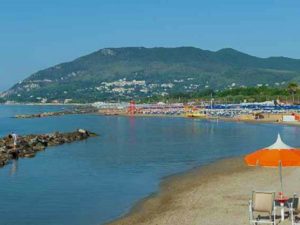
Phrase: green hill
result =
(136, 72)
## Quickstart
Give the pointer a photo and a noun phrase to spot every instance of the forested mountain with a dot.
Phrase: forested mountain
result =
(137, 72)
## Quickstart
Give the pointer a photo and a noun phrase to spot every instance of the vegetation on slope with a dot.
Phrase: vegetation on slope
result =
(102, 75)
(236, 95)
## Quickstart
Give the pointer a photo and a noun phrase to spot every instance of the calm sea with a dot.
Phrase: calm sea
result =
(98, 180)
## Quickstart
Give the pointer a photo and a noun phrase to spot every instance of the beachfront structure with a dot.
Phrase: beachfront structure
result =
(266, 111)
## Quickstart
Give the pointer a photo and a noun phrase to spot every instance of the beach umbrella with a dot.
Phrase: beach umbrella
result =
(277, 155)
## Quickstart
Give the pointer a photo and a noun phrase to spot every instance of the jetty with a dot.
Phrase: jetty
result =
(79, 110)
(29, 145)
(44, 114)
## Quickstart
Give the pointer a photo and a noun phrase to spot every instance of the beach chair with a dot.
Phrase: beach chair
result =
(295, 210)
(262, 208)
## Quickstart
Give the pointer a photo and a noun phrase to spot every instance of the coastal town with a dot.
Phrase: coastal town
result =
(124, 89)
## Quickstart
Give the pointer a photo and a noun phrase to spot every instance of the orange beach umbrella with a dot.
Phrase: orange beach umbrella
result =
(277, 155)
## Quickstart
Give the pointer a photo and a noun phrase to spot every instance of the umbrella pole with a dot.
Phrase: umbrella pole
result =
(280, 176)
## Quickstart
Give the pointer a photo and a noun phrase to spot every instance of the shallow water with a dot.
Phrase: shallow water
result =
(97, 180)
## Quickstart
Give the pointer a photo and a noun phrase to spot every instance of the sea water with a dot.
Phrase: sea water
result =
(97, 180)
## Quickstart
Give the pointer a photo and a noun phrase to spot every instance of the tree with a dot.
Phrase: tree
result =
(292, 89)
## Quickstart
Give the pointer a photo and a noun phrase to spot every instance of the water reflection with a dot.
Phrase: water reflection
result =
(132, 132)
(14, 167)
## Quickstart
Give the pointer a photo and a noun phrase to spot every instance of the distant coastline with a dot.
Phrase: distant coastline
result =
(271, 120)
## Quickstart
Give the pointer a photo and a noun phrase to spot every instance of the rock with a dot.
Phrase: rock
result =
(14, 154)
(38, 147)
(29, 155)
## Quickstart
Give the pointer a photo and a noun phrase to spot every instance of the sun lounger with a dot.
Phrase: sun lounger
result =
(295, 210)
(262, 208)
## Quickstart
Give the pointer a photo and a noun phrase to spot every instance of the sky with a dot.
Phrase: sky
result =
(36, 34)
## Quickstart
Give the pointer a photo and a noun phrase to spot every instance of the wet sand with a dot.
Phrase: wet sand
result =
(211, 195)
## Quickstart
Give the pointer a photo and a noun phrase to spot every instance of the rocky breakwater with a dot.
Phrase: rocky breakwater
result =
(79, 110)
(29, 145)
(44, 114)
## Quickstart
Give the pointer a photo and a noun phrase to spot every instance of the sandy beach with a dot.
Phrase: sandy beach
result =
(211, 195)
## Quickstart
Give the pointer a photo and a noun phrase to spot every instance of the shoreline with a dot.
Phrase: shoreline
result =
(223, 119)
(210, 194)
(257, 121)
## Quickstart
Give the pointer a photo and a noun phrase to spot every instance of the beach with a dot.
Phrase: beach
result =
(211, 195)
